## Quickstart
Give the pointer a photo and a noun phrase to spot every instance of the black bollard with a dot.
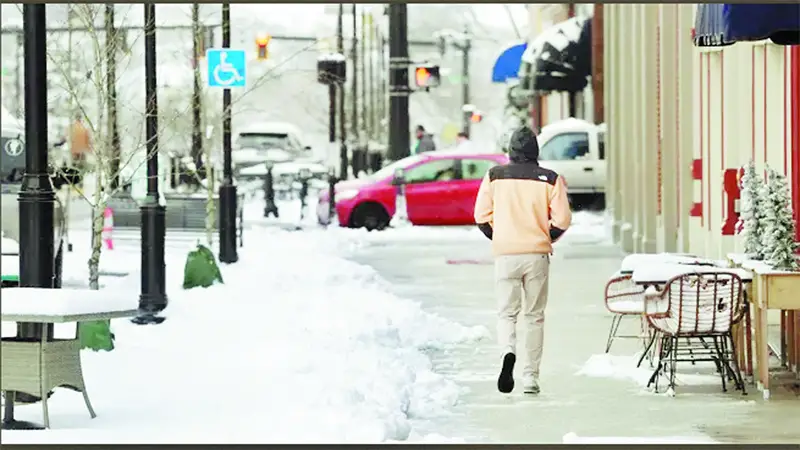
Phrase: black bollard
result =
(269, 193)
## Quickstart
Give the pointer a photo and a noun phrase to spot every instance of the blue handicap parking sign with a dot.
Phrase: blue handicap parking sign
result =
(227, 68)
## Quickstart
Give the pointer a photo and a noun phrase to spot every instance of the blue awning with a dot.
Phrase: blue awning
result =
(507, 65)
(721, 24)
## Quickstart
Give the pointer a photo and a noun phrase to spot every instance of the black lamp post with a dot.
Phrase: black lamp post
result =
(153, 298)
(227, 190)
(269, 192)
(36, 196)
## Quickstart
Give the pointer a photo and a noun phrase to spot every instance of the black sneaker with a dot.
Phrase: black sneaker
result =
(505, 382)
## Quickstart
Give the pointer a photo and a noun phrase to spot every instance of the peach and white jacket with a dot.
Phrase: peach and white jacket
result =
(523, 208)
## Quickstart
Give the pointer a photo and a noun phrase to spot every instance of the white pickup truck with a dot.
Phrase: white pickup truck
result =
(576, 150)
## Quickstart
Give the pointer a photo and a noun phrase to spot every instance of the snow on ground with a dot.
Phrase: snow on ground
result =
(624, 368)
(299, 345)
(572, 438)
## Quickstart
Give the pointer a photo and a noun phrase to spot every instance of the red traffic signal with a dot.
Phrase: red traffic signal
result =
(262, 47)
(427, 76)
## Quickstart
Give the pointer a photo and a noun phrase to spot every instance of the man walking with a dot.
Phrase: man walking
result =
(80, 143)
(424, 141)
(523, 208)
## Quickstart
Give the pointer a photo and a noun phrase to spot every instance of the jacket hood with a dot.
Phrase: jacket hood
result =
(523, 146)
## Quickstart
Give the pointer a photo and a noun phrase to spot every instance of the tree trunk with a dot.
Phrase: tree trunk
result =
(111, 97)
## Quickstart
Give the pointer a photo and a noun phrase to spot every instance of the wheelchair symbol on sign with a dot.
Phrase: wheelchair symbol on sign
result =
(225, 74)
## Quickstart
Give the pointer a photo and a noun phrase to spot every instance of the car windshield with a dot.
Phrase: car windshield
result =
(391, 168)
(262, 140)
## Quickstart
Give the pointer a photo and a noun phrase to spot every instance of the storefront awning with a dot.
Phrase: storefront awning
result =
(721, 24)
(506, 67)
(560, 59)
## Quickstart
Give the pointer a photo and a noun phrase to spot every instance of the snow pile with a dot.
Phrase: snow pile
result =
(587, 228)
(297, 346)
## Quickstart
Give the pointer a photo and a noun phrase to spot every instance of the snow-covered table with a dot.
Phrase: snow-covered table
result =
(35, 367)
(777, 290)
(637, 260)
(660, 274)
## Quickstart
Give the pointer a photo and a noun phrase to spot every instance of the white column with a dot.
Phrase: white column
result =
(636, 123)
(685, 71)
(612, 124)
(670, 181)
(625, 145)
(648, 101)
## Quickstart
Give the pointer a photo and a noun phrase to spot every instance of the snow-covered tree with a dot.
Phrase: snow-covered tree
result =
(751, 211)
(778, 235)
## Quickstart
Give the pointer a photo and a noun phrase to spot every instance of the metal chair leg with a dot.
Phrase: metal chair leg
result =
(735, 361)
(615, 321)
(647, 349)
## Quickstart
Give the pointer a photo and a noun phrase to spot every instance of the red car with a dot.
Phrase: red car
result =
(440, 190)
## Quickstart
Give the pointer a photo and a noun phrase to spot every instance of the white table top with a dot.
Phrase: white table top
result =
(40, 305)
(661, 273)
(636, 260)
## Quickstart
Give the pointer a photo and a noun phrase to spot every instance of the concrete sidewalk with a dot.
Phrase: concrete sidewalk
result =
(577, 325)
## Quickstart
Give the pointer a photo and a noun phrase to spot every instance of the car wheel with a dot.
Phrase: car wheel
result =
(370, 216)
(59, 267)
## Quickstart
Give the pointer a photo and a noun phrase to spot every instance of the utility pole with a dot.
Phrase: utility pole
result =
(383, 89)
(465, 97)
(399, 123)
(197, 123)
(227, 190)
(354, 88)
(343, 160)
(365, 57)
(112, 40)
(153, 298)
(369, 78)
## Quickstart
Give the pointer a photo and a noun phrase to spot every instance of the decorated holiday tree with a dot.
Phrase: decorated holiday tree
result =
(751, 212)
(778, 224)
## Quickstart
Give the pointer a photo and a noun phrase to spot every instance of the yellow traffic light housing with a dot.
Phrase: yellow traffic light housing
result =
(262, 48)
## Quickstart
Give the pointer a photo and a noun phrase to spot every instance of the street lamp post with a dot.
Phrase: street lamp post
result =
(36, 196)
(227, 190)
(153, 298)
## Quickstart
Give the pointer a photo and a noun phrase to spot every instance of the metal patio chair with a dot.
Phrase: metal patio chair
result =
(697, 325)
(624, 298)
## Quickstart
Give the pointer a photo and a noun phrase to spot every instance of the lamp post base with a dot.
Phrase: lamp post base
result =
(20, 425)
(153, 298)
(227, 223)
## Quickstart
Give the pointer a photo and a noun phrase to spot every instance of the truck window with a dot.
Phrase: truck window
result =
(565, 147)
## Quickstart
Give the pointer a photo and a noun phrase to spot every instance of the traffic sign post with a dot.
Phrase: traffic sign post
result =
(227, 68)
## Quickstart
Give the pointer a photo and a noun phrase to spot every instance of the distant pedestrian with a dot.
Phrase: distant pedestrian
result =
(463, 143)
(80, 143)
(523, 208)
(424, 141)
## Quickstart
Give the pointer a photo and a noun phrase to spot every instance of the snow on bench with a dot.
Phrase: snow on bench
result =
(40, 305)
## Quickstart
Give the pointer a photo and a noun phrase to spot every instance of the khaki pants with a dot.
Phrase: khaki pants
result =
(521, 286)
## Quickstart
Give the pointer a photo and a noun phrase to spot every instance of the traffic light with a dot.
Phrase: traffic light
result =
(427, 77)
(262, 49)
(476, 117)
